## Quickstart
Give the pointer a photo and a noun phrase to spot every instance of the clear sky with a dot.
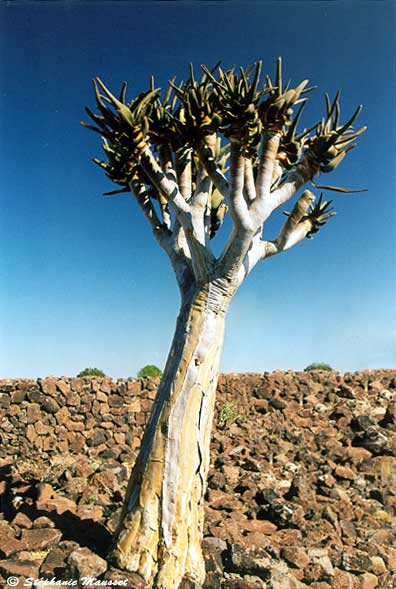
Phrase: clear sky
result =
(84, 283)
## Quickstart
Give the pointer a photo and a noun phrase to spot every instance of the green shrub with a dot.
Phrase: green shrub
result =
(228, 414)
(149, 370)
(91, 372)
(318, 366)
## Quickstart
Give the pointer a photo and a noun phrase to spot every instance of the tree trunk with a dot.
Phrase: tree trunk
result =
(160, 531)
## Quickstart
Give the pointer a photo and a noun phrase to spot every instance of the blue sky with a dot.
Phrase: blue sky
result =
(83, 282)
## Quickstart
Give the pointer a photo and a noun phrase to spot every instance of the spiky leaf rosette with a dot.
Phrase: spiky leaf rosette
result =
(123, 128)
(292, 143)
(277, 110)
(236, 98)
(197, 114)
(332, 141)
(319, 213)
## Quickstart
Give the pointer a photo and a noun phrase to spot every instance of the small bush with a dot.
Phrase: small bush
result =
(318, 366)
(149, 370)
(91, 372)
(228, 414)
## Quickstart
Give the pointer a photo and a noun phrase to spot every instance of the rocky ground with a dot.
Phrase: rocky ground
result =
(301, 492)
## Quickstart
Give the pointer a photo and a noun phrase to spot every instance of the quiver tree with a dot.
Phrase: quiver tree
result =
(226, 144)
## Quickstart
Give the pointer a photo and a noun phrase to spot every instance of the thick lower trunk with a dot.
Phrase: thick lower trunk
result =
(160, 531)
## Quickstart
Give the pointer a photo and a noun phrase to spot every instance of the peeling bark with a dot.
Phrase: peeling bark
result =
(160, 531)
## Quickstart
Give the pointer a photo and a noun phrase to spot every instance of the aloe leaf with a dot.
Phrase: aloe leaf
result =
(278, 79)
(114, 192)
(351, 120)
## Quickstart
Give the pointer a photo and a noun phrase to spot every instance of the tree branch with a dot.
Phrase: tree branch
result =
(238, 206)
(269, 152)
(206, 155)
(165, 182)
(288, 189)
(249, 189)
(180, 261)
(183, 171)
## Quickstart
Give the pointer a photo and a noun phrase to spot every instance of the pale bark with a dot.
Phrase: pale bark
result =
(160, 530)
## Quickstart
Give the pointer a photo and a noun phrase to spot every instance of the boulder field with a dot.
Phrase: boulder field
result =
(301, 489)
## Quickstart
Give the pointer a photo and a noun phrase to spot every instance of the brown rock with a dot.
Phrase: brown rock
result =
(390, 558)
(85, 563)
(134, 406)
(49, 444)
(48, 385)
(72, 398)
(56, 561)
(356, 561)
(106, 480)
(41, 538)
(76, 441)
(134, 387)
(21, 521)
(377, 565)
(45, 492)
(320, 558)
(33, 412)
(43, 522)
(253, 560)
(41, 428)
(259, 525)
(18, 396)
(282, 579)
(134, 581)
(368, 581)
(31, 433)
(62, 415)
(357, 455)
(50, 405)
(10, 545)
(93, 512)
(63, 386)
(296, 556)
(345, 472)
(344, 580)
(75, 426)
(58, 504)
(19, 569)
(232, 474)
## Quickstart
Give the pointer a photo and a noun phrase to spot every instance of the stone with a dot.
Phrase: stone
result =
(63, 386)
(33, 412)
(133, 580)
(259, 525)
(12, 567)
(377, 565)
(31, 433)
(321, 558)
(49, 444)
(368, 581)
(41, 538)
(134, 387)
(9, 545)
(21, 520)
(282, 579)
(49, 405)
(296, 556)
(345, 472)
(85, 563)
(43, 522)
(18, 396)
(356, 561)
(55, 562)
(254, 560)
(62, 415)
